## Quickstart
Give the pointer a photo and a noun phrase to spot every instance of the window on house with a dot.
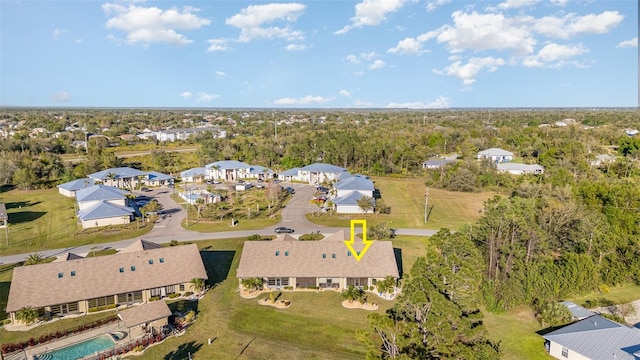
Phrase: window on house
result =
(565, 352)
(133, 268)
(150, 261)
(121, 270)
(73, 273)
(60, 275)
(181, 287)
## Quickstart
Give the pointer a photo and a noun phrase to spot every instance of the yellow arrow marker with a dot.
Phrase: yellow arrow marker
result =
(350, 243)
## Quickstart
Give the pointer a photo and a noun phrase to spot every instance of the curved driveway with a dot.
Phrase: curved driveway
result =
(169, 226)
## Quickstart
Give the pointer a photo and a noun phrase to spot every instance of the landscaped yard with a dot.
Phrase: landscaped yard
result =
(45, 219)
(406, 198)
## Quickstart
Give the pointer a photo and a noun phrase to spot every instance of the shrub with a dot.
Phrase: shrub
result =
(288, 287)
(254, 237)
(173, 243)
(154, 298)
(313, 287)
(616, 318)
(174, 295)
(100, 308)
(188, 293)
(311, 237)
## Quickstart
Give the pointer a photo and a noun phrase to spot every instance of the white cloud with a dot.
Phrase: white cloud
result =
(467, 72)
(57, 33)
(204, 97)
(61, 96)
(362, 104)
(559, 2)
(407, 46)
(378, 64)
(369, 56)
(186, 94)
(153, 25)
(554, 55)
(303, 101)
(372, 13)
(352, 59)
(218, 45)
(221, 75)
(345, 93)
(432, 5)
(296, 47)
(571, 25)
(473, 31)
(252, 19)
(514, 4)
(440, 103)
(628, 43)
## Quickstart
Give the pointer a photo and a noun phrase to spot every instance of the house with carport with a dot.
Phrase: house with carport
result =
(520, 169)
(324, 264)
(132, 276)
(495, 155)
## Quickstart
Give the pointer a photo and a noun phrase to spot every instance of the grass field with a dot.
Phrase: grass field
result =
(45, 219)
(618, 295)
(406, 197)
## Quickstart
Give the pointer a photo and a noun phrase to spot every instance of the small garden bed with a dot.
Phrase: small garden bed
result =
(358, 305)
(281, 304)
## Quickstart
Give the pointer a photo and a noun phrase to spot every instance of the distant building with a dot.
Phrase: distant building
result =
(185, 133)
(520, 169)
(496, 155)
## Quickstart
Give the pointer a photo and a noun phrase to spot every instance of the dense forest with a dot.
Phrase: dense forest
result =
(572, 230)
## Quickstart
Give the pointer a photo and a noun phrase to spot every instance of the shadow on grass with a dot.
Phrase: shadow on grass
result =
(25, 216)
(217, 264)
(549, 329)
(183, 351)
(4, 297)
(6, 188)
(398, 254)
(184, 306)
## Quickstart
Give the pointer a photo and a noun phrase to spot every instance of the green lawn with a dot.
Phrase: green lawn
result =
(45, 219)
(516, 331)
(406, 197)
(618, 295)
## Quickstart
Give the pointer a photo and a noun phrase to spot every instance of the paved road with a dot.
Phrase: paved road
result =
(169, 227)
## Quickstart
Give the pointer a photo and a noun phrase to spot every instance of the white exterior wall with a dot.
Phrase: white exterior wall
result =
(67, 193)
(341, 193)
(348, 209)
(87, 204)
(555, 350)
(120, 220)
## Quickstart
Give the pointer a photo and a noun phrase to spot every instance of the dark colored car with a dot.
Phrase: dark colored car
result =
(283, 230)
(290, 190)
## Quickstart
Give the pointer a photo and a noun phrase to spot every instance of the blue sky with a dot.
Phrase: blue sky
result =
(319, 54)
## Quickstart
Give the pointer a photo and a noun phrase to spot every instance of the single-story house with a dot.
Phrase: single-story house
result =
(158, 179)
(122, 177)
(105, 213)
(131, 276)
(325, 264)
(69, 189)
(146, 318)
(348, 204)
(594, 338)
(577, 311)
(439, 162)
(496, 155)
(520, 169)
(289, 175)
(261, 172)
(185, 133)
(228, 170)
(194, 175)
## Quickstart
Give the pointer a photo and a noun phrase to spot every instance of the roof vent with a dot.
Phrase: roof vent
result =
(60, 275)
(286, 253)
(277, 253)
(73, 273)
(324, 256)
(333, 256)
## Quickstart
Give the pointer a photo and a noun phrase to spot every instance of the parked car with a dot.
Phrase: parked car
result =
(261, 185)
(284, 230)
(290, 190)
(216, 181)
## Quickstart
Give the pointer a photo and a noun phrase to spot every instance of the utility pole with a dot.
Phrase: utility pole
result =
(86, 143)
(426, 205)
(275, 127)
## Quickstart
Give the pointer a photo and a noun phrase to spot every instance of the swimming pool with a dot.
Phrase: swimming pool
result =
(78, 350)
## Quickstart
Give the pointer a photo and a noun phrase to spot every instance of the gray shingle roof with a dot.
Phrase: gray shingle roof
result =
(40, 285)
(598, 338)
(305, 259)
(77, 184)
(104, 210)
(145, 313)
(100, 192)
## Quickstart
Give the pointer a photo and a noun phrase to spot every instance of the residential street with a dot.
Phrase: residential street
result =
(168, 227)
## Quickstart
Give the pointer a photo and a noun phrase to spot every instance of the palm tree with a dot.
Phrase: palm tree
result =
(197, 284)
(27, 315)
(387, 285)
(254, 283)
(352, 293)
(34, 259)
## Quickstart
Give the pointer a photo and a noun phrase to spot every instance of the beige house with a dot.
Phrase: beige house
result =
(325, 264)
(147, 318)
(133, 275)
